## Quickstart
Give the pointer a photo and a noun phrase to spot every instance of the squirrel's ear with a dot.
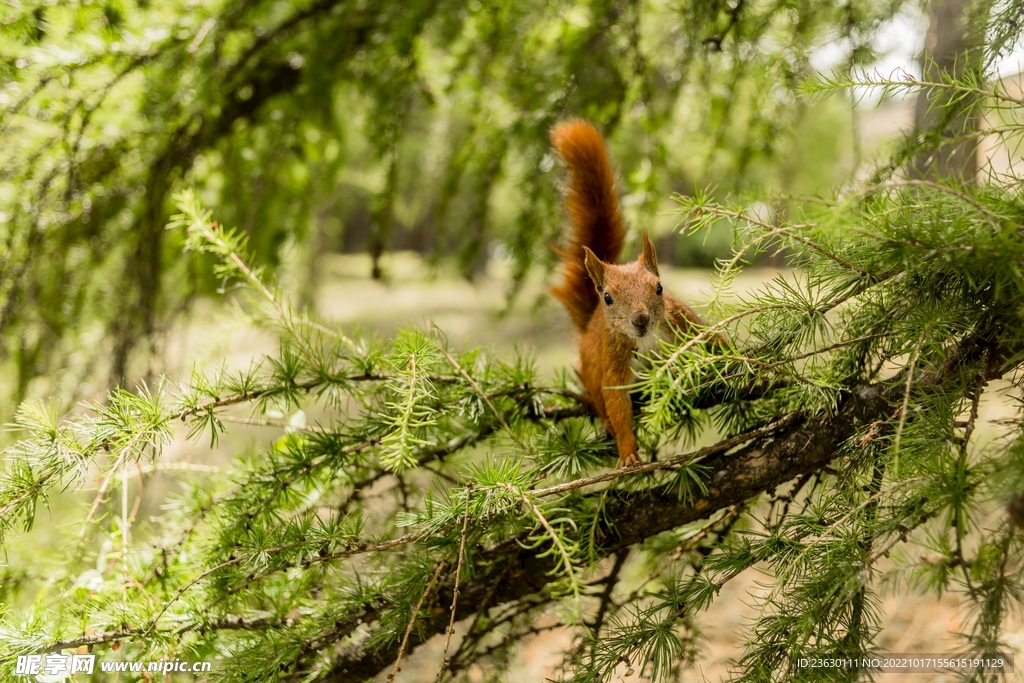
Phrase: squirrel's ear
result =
(595, 267)
(648, 258)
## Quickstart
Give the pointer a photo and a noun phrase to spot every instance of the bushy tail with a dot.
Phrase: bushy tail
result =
(592, 203)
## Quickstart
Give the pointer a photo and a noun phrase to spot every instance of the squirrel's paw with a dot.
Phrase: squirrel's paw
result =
(630, 460)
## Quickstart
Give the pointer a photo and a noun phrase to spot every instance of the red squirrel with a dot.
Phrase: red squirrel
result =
(620, 310)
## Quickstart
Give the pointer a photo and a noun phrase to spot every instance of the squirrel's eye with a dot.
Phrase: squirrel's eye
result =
(608, 298)
(658, 290)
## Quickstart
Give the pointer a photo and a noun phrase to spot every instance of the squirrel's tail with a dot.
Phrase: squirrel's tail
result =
(592, 203)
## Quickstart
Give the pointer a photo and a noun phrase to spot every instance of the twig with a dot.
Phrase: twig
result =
(783, 576)
(779, 230)
(33, 490)
(870, 501)
(961, 466)
(358, 549)
(719, 447)
(904, 408)
(606, 595)
(209, 232)
(909, 81)
(902, 536)
(555, 540)
(101, 494)
(455, 590)
(271, 423)
(234, 399)
(729, 519)
(482, 610)
(935, 186)
(124, 526)
(174, 467)
(236, 622)
(415, 613)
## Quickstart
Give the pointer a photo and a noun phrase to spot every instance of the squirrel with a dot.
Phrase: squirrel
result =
(620, 310)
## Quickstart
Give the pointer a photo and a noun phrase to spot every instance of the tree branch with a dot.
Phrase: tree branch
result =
(805, 445)
(511, 571)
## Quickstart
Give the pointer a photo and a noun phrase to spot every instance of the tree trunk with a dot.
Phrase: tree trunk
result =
(953, 47)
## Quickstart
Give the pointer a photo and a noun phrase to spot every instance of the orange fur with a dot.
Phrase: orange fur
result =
(593, 207)
(638, 312)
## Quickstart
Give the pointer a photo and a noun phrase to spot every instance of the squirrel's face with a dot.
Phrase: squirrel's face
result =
(630, 294)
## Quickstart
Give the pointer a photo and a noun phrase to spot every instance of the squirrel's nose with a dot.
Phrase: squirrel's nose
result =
(641, 320)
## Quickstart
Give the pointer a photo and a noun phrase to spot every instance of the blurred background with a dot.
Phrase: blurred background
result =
(390, 166)
(395, 155)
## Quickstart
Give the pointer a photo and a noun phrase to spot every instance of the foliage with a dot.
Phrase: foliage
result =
(326, 124)
(440, 488)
